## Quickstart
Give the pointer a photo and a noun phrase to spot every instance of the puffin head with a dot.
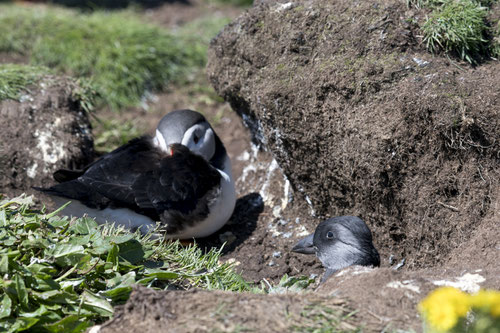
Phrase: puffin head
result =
(189, 128)
(340, 242)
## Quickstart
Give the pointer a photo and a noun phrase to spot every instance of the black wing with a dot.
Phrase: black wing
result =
(175, 189)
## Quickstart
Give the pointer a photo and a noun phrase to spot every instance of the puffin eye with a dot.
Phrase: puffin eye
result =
(196, 139)
(329, 235)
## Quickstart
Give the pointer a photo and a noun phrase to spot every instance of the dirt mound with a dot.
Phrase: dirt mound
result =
(44, 132)
(173, 311)
(363, 121)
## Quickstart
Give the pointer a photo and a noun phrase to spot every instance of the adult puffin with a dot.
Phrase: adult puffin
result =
(181, 177)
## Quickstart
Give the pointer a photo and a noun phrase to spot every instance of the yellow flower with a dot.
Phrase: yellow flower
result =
(444, 307)
(487, 300)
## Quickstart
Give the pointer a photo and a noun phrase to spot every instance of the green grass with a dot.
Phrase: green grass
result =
(16, 79)
(123, 56)
(59, 275)
(457, 27)
(196, 36)
(111, 134)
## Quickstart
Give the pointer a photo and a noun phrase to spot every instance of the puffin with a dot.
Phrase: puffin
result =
(340, 242)
(180, 177)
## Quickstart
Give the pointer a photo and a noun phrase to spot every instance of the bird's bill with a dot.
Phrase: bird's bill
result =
(305, 245)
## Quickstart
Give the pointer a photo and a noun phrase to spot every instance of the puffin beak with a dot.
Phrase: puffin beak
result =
(305, 245)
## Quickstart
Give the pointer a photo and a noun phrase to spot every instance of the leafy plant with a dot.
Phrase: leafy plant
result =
(457, 27)
(59, 275)
(288, 284)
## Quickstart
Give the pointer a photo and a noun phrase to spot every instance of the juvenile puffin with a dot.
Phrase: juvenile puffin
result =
(181, 177)
(340, 242)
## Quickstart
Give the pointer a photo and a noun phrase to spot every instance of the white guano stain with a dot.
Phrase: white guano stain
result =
(31, 170)
(468, 282)
(407, 284)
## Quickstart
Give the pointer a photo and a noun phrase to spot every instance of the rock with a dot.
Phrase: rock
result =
(359, 127)
(44, 132)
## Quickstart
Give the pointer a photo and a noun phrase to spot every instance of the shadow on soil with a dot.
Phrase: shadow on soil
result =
(240, 227)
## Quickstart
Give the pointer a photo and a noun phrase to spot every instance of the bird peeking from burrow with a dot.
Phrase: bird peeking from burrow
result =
(340, 242)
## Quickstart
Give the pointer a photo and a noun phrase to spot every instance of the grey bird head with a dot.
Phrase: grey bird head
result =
(190, 129)
(340, 242)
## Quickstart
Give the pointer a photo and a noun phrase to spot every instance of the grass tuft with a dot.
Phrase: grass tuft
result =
(122, 55)
(458, 27)
(62, 275)
(16, 79)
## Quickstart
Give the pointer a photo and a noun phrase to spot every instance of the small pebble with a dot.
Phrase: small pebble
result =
(277, 254)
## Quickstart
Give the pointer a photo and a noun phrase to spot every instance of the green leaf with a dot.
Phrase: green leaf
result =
(42, 268)
(161, 275)
(3, 219)
(120, 293)
(131, 251)
(81, 240)
(55, 297)
(69, 324)
(84, 226)
(22, 293)
(120, 239)
(45, 283)
(42, 310)
(113, 257)
(97, 304)
(21, 324)
(66, 254)
(64, 249)
(67, 284)
(5, 306)
(4, 264)
(122, 287)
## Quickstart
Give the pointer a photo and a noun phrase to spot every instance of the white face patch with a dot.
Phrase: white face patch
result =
(200, 140)
(159, 141)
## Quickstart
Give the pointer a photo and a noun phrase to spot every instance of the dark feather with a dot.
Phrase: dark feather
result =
(175, 189)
